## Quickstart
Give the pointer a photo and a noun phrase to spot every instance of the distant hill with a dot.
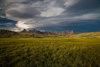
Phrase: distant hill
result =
(85, 35)
(7, 33)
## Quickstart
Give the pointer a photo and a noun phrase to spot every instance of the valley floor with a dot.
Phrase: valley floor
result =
(49, 52)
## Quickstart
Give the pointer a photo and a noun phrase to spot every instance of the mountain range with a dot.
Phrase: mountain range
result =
(34, 33)
(60, 33)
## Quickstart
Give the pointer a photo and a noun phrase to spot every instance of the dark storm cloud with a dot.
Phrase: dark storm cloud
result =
(2, 7)
(22, 11)
(5, 3)
(85, 6)
(82, 7)
(51, 14)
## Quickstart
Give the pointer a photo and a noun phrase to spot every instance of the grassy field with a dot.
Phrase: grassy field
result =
(49, 52)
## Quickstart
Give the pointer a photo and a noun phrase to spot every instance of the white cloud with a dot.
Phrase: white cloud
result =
(27, 24)
(52, 11)
(69, 3)
(22, 25)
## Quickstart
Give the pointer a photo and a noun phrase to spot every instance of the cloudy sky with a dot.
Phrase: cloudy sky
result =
(50, 15)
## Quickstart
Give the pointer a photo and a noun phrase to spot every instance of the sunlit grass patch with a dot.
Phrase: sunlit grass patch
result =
(49, 52)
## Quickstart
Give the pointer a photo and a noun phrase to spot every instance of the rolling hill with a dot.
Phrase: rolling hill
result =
(85, 35)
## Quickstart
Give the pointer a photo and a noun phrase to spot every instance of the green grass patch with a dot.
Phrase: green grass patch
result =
(49, 52)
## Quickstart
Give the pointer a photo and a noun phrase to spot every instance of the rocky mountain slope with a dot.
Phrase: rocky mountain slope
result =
(59, 33)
